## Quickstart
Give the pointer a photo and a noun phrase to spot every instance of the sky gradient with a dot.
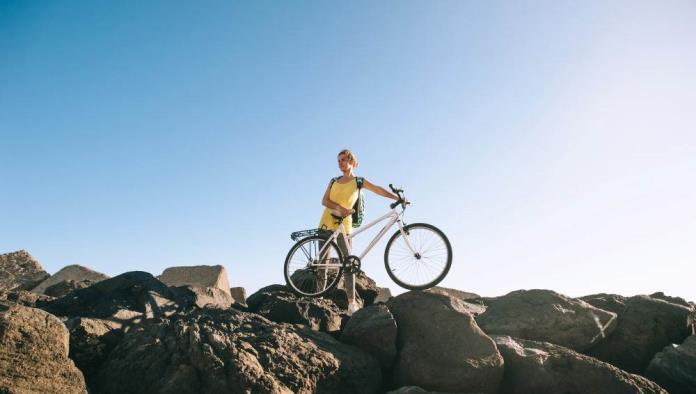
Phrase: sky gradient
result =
(553, 142)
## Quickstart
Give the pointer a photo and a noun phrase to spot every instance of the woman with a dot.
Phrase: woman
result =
(341, 195)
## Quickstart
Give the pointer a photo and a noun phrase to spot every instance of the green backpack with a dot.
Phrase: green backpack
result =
(359, 206)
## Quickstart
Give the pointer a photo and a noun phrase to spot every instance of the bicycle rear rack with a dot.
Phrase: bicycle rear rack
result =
(297, 235)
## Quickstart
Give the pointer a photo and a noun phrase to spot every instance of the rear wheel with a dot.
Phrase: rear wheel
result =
(419, 260)
(309, 274)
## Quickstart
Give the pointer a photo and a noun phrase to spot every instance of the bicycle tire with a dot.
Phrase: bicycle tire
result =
(305, 280)
(418, 265)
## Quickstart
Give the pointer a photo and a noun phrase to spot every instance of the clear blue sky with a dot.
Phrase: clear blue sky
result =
(554, 142)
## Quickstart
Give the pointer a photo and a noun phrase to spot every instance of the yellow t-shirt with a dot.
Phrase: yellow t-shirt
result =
(345, 195)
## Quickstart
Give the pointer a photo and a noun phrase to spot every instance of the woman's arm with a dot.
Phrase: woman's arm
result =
(379, 190)
(326, 201)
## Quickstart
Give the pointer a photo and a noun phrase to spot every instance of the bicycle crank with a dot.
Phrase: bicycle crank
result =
(352, 264)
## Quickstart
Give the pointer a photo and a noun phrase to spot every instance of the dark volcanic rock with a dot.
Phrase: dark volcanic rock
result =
(92, 339)
(440, 347)
(280, 305)
(34, 353)
(645, 326)
(75, 273)
(674, 368)
(25, 298)
(544, 368)
(543, 315)
(136, 291)
(373, 329)
(66, 287)
(20, 271)
(203, 296)
(216, 351)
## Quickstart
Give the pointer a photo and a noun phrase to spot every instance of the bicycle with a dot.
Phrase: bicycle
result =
(418, 256)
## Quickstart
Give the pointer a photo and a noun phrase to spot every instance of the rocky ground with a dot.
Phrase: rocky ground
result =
(186, 331)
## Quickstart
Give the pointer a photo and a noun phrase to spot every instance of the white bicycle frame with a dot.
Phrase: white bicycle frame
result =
(392, 217)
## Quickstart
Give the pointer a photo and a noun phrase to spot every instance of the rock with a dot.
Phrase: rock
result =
(373, 329)
(204, 296)
(19, 271)
(66, 287)
(280, 305)
(239, 294)
(542, 367)
(216, 351)
(34, 353)
(383, 295)
(25, 298)
(200, 276)
(75, 273)
(440, 347)
(136, 291)
(92, 339)
(544, 315)
(645, 325)
(462, 295)
(674, 368)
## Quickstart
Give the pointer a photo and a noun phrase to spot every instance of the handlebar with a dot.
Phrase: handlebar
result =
(400, 194)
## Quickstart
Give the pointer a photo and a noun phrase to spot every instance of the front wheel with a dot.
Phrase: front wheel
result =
(419, 258)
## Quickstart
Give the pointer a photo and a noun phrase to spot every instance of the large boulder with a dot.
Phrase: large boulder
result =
(136, 291)
(66, 287)
(229, 351)
(75, 273)
(239, 294)
(20, 271)
(545, 368)
(440, 347)
(203, 296)
(214, 276)
(543, 315)
(34, 353)
(280, 305)
(674, 368)
(24, 297)
(92, 339)
(645, 326)
(462, 295)
(373, 329)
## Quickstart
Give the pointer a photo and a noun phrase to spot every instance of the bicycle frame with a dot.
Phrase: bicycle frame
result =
(391, 217)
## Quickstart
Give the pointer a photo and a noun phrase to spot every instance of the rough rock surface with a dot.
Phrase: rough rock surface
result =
(462, 295)
(373, 329)
(66, 287)
(204, 296)
(674, 368)
(200, 276)
(136, 291)
(414, 390)
(280, 305)
(92, 339)
(440, 347)
(25, 298)
(20, 271)
(75, 273)
(383, 294)
(34, 353)
(542, 367)
(239, 294)
(544, 315)
(216, 351)
(645, 326)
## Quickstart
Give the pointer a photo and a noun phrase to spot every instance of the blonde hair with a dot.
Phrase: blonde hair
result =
(351, 157)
